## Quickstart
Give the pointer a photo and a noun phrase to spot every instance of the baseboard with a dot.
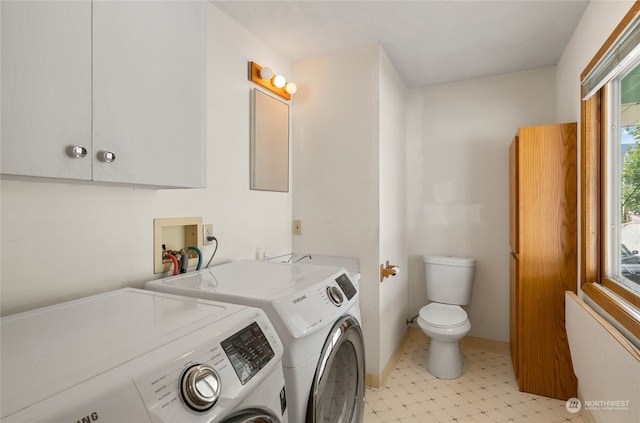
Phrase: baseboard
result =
(378, 381)
(372, 381)
(486, 344)
(587, 416)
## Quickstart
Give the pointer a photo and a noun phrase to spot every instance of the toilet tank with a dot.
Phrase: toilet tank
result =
(449, 279)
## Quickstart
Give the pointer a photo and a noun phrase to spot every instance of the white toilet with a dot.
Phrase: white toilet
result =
(449, 282)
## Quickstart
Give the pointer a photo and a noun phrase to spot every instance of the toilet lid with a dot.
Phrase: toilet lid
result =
(443, 315)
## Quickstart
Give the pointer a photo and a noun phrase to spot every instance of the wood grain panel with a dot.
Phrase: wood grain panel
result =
(590, 198)
(513, 196)
(547, 259)
(612, 306)
(513, 323)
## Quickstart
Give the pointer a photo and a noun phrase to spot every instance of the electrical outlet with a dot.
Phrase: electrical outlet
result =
(207, 233)
(297, 227)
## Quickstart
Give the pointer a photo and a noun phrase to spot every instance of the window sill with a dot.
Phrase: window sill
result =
(619, 308)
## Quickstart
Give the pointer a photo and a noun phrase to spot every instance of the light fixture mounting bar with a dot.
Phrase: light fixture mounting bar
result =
(254, 76)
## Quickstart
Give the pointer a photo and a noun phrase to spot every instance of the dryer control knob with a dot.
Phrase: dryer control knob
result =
(335, 295)
(200, 387)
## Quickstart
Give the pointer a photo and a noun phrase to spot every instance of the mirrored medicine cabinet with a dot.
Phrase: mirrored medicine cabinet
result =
(269, 143)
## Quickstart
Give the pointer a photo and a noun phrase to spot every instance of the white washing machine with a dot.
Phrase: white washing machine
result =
(315, 310)
(138, 356)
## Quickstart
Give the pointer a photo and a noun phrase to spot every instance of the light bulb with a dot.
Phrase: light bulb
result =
(291, 88)
(266, 73)
(279, 81)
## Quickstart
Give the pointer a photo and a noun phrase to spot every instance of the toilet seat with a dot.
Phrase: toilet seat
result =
(443, 315)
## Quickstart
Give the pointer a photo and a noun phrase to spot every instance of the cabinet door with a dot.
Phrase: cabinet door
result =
(548, 259)
(149, 104)
(46, 88)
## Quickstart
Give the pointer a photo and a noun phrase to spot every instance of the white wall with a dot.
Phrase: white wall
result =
(617, 375)
(393, 302)
(349, 181)
(63, 240)
(458, 172)
(335, 170)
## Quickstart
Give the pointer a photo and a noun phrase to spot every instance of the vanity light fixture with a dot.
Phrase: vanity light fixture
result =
(291, 88)
(266, 73)
(279, 81)
(266, 78)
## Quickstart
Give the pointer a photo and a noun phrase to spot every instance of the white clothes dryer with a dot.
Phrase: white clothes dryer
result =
(138, 356)
(316, 312)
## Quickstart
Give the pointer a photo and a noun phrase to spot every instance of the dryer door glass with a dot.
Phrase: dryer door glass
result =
(337, 393)
(252, 417)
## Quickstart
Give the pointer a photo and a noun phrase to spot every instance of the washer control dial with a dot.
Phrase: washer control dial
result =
(335, 295)
(200, 387)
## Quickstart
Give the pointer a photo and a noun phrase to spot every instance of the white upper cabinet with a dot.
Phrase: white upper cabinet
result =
(46, 88)
(128, 75)
(149, 91)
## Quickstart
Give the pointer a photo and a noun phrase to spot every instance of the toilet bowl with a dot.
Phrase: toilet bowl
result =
(449, 282)
(445, 325)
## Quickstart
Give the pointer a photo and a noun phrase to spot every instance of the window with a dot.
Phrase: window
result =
(623, 172)
(610, 167)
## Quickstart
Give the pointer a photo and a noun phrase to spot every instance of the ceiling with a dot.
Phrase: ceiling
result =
(428, 41)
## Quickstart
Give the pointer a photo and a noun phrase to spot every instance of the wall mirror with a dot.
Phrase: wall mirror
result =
(269, 143)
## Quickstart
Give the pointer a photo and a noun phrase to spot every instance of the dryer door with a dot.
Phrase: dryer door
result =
(337, 392)
(252, 416)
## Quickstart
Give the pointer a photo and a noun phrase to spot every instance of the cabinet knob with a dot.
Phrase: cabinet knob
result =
(107, 156)
(77, 151)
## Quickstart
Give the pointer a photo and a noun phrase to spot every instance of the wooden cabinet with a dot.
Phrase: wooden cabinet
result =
(543, 261)
(123, 80)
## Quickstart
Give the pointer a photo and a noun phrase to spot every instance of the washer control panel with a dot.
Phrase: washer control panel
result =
(335, 295)
(249, 351)
(346, 285)
(205, 380)
(166, 364)
(306, 310)
(200, 387)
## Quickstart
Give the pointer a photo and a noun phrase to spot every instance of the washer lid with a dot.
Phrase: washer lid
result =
(443, 315)
(48, 350)
(295, 294)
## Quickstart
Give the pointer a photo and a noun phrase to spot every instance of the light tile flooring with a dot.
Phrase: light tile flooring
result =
(486, 392)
